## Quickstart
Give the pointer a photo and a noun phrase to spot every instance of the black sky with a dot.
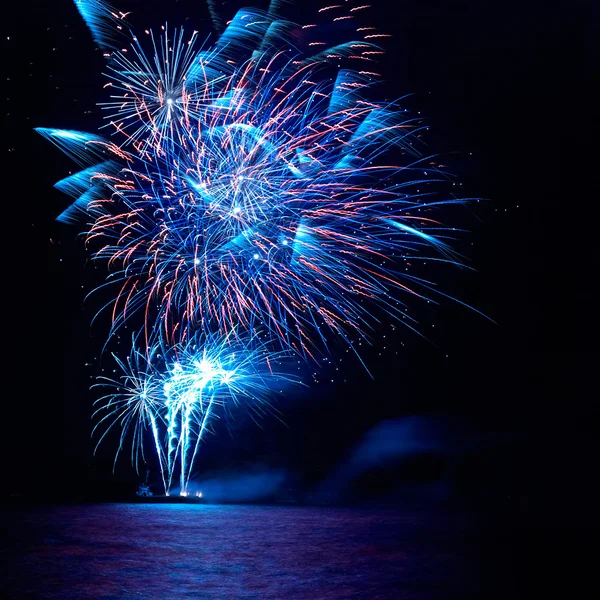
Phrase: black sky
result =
(507, 89)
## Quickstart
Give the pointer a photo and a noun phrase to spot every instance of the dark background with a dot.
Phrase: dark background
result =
(491, 414)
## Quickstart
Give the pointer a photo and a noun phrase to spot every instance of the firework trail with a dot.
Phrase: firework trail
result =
(240, 194)
(170, 396)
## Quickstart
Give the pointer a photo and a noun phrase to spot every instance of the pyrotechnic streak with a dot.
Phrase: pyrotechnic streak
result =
(170, 395)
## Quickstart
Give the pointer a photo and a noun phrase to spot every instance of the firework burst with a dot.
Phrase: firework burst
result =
(170, 395)
(242, 195)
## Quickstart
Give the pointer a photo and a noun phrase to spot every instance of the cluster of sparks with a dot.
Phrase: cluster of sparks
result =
(245, 212)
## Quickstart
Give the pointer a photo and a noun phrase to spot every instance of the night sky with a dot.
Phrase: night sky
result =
(507, 91)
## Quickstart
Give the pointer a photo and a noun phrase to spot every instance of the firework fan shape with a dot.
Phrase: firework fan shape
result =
(240, 195)
(170, 396)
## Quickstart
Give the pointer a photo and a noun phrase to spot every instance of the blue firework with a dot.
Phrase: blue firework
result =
(242, 192)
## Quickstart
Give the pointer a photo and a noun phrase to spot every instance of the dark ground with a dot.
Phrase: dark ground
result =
(289, 553)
